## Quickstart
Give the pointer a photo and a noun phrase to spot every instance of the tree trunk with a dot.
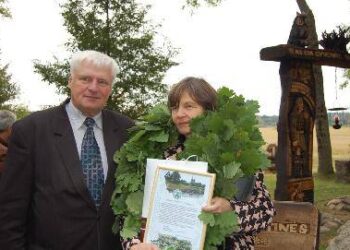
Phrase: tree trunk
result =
(325, 165)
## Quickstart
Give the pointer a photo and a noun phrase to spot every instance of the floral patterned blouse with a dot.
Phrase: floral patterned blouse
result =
(254, 215)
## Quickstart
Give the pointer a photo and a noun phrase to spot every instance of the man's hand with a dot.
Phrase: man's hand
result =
(217, 205)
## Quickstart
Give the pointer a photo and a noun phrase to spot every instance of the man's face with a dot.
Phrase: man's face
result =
(90, 88)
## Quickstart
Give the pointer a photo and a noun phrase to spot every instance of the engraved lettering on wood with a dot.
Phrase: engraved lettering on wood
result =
(300, 228)
(294, 227)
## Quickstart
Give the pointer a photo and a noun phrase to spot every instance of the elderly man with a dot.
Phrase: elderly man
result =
(56, 191)
(7, 118)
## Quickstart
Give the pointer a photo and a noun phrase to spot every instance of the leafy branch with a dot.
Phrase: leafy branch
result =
(336, 40)
(228, 139)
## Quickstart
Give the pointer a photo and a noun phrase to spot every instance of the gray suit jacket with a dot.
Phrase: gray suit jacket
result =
(44, 201)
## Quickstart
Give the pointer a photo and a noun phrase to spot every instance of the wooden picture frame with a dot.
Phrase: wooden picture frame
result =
(176, 202)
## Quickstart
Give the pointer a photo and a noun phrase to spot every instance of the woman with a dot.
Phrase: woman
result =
(192, 97)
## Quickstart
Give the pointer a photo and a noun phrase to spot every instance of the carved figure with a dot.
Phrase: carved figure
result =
(299, 32)
(298, 194)
(271, 151)
(299, 126)
(301, 72)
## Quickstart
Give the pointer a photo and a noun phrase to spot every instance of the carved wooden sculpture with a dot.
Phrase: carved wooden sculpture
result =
(297, 110)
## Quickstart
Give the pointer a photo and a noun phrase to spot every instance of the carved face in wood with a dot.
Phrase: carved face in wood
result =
(300, 19)
(299, 104)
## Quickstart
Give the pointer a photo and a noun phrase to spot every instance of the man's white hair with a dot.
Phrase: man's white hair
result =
(7, 118)
(96, 58)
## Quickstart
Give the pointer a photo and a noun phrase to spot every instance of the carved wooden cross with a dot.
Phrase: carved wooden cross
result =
(297, 116)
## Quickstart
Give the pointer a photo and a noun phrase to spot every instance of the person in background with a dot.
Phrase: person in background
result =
(7, 118)
(189, 98)
(56, 190)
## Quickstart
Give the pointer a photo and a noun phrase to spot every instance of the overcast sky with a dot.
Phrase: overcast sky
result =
(221, 44)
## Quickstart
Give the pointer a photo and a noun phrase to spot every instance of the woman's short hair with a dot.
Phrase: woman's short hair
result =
(7, 118)
(96, 58)
(198, 89)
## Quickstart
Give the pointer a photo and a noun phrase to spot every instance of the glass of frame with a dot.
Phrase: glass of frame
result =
(176, 201)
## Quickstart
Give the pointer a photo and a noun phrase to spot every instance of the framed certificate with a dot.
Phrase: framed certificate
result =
(176, 201)
(151, 170)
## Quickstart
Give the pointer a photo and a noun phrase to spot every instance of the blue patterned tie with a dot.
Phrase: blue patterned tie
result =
(91, 162)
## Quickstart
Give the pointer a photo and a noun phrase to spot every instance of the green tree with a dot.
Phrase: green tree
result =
(198, 3)
(20, 110)
(118, 28)
(347, 78)
(346, 74)
(8, 89)
(176, 177)
(4, 11)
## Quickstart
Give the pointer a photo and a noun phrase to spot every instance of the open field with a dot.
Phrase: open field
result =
(325, 188)
(340, 140)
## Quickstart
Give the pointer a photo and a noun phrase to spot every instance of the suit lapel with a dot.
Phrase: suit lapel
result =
(66, 146)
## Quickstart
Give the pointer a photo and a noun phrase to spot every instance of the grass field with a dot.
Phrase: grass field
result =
(325, 188)
(340, 140)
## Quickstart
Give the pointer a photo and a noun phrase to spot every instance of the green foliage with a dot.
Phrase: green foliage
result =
(173, 177)
(20, 111)
(8, 89)
(198, 3)
(131, 159)
(132, 226)
(168, 242)
(207, 218)
(228, 139)
(56, 72)
(118, 28)
(4, 11)
(224, 225)
(8, 92)
(134, 202)
(336, 40)
(346, 75)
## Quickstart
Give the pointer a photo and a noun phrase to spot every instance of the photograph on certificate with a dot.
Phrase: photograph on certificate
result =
(176, 201)
(151, 169)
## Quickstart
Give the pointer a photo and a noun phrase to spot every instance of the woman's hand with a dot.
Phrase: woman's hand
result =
(144, 246)
(217, 205)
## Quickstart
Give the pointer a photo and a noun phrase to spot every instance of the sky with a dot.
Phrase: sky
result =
(220, 44)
